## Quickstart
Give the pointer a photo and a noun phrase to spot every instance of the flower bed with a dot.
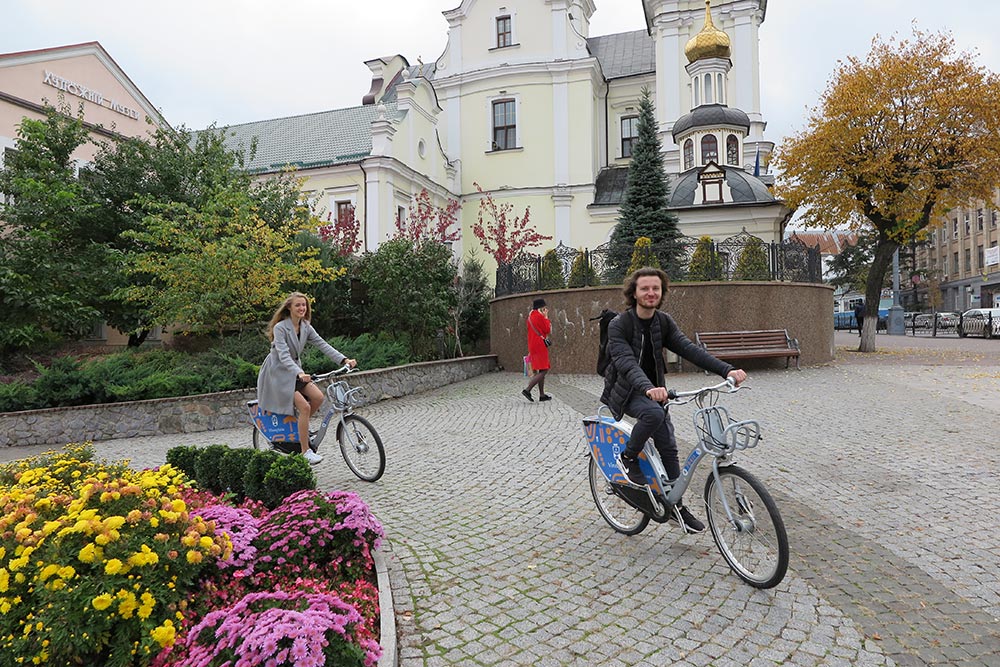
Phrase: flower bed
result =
(104, 565)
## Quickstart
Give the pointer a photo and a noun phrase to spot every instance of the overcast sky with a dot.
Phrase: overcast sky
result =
(233, 61)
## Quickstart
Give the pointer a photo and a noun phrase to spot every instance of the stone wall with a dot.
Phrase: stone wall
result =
(208, 412)
(804, 309)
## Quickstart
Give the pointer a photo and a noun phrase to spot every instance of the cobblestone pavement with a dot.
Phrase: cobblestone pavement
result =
(885, 473)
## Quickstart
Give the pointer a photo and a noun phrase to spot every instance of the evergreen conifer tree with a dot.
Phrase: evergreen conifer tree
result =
(581, 273)
(752, 264)
(647, 194)
(551, 275)
(704, 262)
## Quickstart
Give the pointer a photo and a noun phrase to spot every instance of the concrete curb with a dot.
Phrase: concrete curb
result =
(387, 614)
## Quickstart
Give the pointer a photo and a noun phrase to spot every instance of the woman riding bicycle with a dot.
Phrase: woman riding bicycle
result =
(282, 384)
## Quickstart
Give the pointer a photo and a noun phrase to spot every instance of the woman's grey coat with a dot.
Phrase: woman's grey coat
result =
(276, 380)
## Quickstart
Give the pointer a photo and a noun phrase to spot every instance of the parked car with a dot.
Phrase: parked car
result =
(983, 322)
(944, 320)
(908, 319)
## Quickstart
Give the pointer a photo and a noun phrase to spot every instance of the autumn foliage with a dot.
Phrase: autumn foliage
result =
(896, 140)
(427, 222)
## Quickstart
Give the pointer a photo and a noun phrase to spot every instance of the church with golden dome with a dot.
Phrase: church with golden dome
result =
(525, 104)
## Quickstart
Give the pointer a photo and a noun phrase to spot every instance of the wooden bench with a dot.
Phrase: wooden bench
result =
(732, 345)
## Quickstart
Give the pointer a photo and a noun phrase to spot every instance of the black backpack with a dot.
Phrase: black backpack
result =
(603, 355)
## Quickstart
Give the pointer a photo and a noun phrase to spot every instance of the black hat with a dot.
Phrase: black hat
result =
(537, 303)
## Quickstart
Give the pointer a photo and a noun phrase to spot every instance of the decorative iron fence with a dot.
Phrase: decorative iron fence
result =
(739, 257)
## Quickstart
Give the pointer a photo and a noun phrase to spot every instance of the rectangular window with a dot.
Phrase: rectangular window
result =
(504, 125)
(993, 218)
(967, 230)
(954, 228)
(344, 211)
(979, 257)
(968, 260)
(630, 132)
(400, 215)
(979, 219)
(955, 265)
(503, 32)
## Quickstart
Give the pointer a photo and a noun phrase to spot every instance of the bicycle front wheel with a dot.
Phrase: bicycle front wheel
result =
(755, 543)
(621, 516)
(361, 447)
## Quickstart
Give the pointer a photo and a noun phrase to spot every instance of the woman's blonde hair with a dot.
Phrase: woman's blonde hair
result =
(284, 311)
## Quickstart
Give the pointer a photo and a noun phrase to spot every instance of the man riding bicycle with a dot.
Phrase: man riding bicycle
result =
(634, 379)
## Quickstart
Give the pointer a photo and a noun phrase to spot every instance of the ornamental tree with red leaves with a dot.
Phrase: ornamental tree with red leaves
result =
(502, 235)
(342, 233)
(427, 222)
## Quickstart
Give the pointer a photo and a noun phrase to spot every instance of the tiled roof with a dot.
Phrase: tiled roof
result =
(311, 140)
(610, 186)
(830, 243)
(624, 53)
(711, 115)
(744, 187)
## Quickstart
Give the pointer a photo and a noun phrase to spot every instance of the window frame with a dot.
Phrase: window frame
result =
(495, 146)
(688, 150)
(733, 142)
(629, 140)
(509, 32)
(715, 140)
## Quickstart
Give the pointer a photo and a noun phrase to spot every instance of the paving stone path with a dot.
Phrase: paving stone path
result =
(886, 475)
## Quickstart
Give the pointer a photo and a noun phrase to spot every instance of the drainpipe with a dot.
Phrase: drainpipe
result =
(364, 193)
(607, 139)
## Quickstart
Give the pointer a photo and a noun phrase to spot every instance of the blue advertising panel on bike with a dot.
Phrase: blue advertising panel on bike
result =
(275, 427)
(607, 439)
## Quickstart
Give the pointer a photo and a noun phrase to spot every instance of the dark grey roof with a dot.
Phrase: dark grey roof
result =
(610, 186)
(711, 115)
(425, 70)
(312, 140)
(624, 54)
(745, 188)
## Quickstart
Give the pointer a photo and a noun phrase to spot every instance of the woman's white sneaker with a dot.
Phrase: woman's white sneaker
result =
(312, 457)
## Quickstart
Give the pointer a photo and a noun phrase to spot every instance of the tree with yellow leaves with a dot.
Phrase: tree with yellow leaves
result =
(897, 139)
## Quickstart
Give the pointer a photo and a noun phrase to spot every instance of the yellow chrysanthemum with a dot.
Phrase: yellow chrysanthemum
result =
(165, 634)
(102, 601)
(113, 566)
(194, 557)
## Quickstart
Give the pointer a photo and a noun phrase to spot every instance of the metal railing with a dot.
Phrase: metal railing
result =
(685, 259)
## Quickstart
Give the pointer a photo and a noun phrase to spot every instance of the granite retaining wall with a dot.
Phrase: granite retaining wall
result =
(208, 412)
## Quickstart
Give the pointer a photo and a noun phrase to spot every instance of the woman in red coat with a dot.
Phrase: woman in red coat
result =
(539, 328)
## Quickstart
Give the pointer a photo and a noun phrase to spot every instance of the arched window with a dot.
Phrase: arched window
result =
(720, 89)
(709, 148)
(708, 89)
(688, 154)
(697, 91)
(732, 150)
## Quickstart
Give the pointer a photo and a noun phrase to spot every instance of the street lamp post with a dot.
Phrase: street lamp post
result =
(896, 326)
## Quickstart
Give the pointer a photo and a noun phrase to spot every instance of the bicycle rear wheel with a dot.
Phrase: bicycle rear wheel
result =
(362, 447)
(621, 516)
(260, 442)
(755, 545)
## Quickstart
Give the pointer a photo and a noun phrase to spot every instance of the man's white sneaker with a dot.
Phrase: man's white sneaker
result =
(312, 457)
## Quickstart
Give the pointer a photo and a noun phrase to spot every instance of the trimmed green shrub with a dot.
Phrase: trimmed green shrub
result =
(206, 468)
(705, 263)
(642, 256)
(233, 469)
(184, 458)
(286, 476)
(752, 264)
(63, 383)
(253, 479)
(581, 273)
(550, 272)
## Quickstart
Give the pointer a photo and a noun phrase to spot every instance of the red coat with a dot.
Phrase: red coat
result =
(536, 347)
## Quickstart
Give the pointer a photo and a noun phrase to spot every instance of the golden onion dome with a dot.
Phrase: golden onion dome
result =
(710, 42)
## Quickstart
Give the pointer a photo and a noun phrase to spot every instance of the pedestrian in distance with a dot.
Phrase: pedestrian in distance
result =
(634, 381)
(859, 314)
(539, 328)
(282, 386)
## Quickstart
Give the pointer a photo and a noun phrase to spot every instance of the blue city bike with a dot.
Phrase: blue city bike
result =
(742, 515)
(359, 441)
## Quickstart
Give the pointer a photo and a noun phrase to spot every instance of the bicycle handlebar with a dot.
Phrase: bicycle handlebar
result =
(343, 370)
(675, 397)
